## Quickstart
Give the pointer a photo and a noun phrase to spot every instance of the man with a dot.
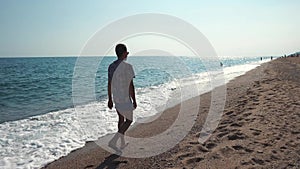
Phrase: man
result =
(121, 92)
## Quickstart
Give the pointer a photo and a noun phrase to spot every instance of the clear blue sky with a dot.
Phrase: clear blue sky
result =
(234, 28)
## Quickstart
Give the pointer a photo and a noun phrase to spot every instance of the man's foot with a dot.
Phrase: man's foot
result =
(114, 147)
(123, 143)
(113, 142)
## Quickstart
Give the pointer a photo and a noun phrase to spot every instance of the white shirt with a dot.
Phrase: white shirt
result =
(122, 74)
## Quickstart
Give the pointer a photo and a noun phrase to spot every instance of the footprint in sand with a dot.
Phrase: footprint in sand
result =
(193, 142)
(222, 134)
(189, 158)
(236, 136)
(239, 147)
(226, 151)
(258, 161)
(193, 160)
(183, 156)
(250, 119)
(255, 132)
(229, 113)
(274, 157)
(226, 122)
(240, 124)
(247, 114)
(246, 162)
(266, 145)
(210, 145)
(221, 127)
(203, 149)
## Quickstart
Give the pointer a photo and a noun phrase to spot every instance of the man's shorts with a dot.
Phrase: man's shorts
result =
(127, 114)
(125, 109)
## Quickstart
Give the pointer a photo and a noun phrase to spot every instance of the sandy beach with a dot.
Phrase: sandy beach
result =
(260, 128)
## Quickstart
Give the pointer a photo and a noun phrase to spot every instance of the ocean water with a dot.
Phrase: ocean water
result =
(48, 110)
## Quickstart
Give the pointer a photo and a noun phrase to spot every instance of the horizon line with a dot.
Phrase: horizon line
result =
(51, 56)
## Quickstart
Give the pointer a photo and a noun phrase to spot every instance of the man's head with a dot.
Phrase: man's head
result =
(121, 51)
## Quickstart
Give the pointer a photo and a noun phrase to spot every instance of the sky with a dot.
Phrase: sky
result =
(234, 28)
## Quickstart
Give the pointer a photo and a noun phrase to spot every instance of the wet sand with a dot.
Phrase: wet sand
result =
(260, 128)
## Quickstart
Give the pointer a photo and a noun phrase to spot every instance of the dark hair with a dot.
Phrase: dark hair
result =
(120, 49)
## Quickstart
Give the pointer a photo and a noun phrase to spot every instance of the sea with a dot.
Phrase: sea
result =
(50, 106)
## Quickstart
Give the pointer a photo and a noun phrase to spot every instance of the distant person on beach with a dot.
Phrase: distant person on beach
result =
(121, 93)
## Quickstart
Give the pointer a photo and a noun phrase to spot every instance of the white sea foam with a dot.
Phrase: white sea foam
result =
(34, 142)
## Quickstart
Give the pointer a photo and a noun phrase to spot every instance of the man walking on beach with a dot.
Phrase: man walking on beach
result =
(121, 92)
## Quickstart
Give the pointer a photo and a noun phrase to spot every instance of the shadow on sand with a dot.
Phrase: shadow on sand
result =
(110, 162)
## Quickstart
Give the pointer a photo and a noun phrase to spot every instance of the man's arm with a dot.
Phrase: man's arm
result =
(132, 93)
(110, 102)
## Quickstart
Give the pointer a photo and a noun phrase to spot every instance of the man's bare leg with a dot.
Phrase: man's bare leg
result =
(122, 131)
(121, 120)
(125, 126)
(122, 128)
(113, 141)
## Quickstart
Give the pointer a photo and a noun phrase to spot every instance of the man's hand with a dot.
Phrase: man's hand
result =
(134, 105)
(110, 104)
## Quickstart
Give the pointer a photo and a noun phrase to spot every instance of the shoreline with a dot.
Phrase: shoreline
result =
(242, 139)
